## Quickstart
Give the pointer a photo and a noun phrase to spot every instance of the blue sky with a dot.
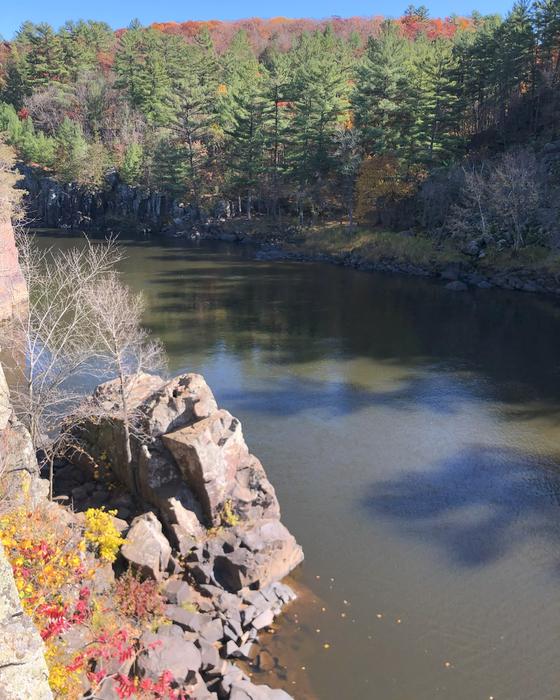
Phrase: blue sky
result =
(118, 13)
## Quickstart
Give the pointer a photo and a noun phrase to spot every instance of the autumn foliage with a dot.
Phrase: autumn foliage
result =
(381, 180)
(55, 564)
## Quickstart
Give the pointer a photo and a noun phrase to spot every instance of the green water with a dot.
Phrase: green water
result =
(413, 436)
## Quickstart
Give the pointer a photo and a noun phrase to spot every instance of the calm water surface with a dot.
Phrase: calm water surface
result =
(413, 436)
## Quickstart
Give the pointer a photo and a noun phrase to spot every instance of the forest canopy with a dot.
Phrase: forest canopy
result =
(343, 117)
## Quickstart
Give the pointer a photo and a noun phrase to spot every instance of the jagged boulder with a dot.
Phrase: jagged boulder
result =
(194, 468)
(146, 548)
(259, 555)
(168, 650)
(209, 453)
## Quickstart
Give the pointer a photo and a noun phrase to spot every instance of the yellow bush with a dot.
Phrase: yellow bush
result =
(102, 534)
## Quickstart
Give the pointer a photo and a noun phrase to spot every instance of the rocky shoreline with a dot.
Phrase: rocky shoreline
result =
(198, 516)
(456, 276)
(54, 205)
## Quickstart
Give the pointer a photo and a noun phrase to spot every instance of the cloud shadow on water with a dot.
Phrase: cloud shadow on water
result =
(478, 506)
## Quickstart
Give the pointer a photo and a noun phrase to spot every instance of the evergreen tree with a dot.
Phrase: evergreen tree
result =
(319, 92)
(140, 65)
(383, 99)
(45, 59)
(71, 153)
(241, 108)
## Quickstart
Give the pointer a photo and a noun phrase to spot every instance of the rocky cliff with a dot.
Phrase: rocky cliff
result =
(197, 515)
(13, 290)
(191, 464)
(23, 671)
(52, 204)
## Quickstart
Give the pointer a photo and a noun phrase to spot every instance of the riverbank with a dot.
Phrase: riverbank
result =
(120, 208)
(170, 565)
(533, 269)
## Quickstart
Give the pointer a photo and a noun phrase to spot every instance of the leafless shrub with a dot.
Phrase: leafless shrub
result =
(498, 201)
(48, 107)
(125, 348)
(52, 341)
(514, 195)
(471, 216)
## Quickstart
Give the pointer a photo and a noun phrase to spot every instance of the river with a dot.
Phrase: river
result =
(413, 436)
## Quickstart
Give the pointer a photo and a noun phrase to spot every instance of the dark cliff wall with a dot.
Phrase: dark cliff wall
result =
(51, 204)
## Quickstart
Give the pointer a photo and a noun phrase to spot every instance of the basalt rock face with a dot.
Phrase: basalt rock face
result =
(56, 205)
(13, 290)
(23, 672)
(20, 482)
(192, 466)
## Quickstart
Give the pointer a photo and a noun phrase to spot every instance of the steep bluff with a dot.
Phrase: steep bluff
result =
(13, 290)
(23, 671)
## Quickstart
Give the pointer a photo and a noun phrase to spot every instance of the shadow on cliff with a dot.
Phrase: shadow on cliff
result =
(476, 507)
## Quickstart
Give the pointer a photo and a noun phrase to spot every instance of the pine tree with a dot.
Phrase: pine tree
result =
(276, 123)
(383, 98)
(45, 59)
(192, 106)
(435, 96)
(141, 68)
(319, 92)
(241, 107)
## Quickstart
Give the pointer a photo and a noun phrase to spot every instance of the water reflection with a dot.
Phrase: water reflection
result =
(412, 436)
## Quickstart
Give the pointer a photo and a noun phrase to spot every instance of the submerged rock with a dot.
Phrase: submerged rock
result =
(457, 286)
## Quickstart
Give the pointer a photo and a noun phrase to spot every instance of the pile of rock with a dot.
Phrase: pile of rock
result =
(210, 530)
(209, 627)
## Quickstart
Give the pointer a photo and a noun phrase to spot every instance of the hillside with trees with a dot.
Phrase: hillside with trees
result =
(436, 125)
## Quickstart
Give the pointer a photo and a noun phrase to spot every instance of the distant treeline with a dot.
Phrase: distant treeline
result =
(344, 117)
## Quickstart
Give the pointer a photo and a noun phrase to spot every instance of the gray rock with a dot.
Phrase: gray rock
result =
(457, 286)
(210, 656)
(146, 547)
(245, 690)
(190, 621)
(232, 674)
(171, 653)
(265, 619)
(267, 553)
(178, 592)
(208, 454)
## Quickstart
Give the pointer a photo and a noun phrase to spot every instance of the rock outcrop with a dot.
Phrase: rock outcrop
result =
(23, 671)
(57, 205)
(209, 530)
(20, 482)
(13, 290)
(192, 466)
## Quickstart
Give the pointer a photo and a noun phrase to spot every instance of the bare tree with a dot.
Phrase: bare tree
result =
(470, 216)
(52, 340)
(124, 346)
(514, 194)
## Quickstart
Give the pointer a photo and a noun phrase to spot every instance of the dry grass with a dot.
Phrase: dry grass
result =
(374, 245)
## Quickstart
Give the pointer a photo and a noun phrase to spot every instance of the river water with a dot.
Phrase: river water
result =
(413, 436)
